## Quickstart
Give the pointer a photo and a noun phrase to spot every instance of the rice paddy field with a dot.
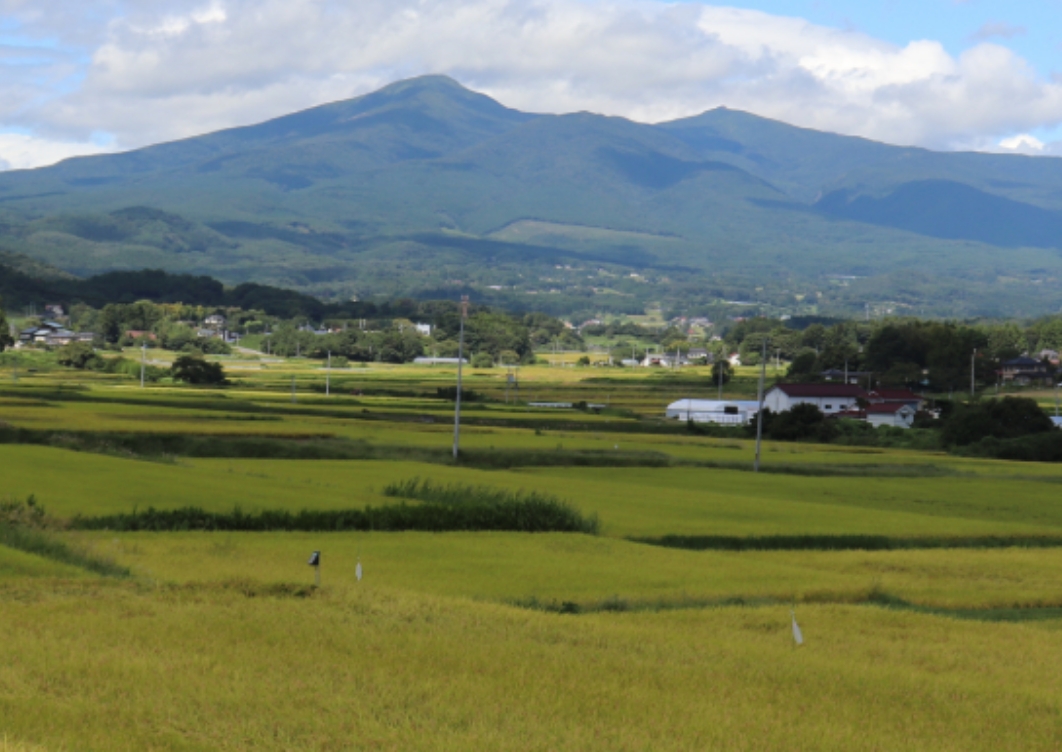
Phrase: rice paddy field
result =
(927, 587)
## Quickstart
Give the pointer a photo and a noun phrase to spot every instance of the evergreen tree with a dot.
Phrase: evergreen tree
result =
(6, 340)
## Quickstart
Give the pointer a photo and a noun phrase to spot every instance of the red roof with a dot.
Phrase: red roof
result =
(886, 408)
(895, 395)
(822, 390)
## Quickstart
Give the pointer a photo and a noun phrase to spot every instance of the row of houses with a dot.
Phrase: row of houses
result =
(52, 334)
(878, 407)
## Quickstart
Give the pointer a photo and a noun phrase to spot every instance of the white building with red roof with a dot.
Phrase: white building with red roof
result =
(830, 398)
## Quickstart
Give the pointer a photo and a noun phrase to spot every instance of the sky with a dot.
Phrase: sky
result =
(108, 75)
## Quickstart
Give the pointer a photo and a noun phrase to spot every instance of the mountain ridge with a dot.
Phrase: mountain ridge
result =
(371, 196)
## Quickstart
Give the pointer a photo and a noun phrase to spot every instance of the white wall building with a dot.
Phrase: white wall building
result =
(724, 412)
(829, 398)
(890, 414)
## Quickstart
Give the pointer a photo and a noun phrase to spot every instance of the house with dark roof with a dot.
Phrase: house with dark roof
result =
(829, 398)
(895, 414)
(885, 396)
(850, 377)
(1025, 371)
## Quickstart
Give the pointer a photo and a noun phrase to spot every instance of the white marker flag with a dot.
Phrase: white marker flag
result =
(357, 570)
(798, 637)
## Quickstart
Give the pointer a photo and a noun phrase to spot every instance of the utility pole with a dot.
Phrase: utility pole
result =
(143, 357)
(759, 415)
(973, 383)
(328, 375)
(460, 357)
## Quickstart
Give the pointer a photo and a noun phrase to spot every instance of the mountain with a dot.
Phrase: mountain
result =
(425, 188)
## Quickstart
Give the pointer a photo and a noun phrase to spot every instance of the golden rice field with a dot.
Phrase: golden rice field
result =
(514, 641)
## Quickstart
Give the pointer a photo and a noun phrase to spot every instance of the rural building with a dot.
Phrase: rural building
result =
(667, 360)
(892, 396)
(725, 412)
(438, 361)
(895, 414)
(1025, 371)
(829, 398)
(852, 377)
(52, 334)
(215, 321)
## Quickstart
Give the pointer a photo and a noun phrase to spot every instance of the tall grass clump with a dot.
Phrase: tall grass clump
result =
(444, 508)
(24, 525)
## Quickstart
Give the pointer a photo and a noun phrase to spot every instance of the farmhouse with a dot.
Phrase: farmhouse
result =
(1025, 371)
(895, 414)
(52, 334)
(849, 377)
(897, 396)
(725, 412)
(829, 398)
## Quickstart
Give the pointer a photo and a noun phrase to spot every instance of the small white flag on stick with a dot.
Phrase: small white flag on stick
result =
(357, 570)
(798, 636)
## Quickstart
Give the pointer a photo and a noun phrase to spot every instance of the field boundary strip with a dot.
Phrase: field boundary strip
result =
(844, 542)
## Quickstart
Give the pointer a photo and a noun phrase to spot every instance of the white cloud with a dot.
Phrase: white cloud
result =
(1023, 143)
(20, 151)
(163, 70)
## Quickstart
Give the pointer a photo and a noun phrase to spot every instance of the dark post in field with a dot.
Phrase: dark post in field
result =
(460, 358)
(759, 415)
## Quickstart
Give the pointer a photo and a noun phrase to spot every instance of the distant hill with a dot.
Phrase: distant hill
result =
(427, 189)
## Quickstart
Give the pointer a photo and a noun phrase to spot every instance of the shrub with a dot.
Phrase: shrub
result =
(482, 360)
(193, 370)
(78, 355)
(803, 422)
(527, 513)
(1007, 418)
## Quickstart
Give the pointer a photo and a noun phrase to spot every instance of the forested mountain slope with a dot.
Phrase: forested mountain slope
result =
(426, 188)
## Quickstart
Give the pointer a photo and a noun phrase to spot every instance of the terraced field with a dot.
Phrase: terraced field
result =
(926, 586)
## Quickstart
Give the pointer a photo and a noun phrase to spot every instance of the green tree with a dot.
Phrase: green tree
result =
(1006, 418)
(78, 355)
(6, 340)
(195, 370)
(721, 370)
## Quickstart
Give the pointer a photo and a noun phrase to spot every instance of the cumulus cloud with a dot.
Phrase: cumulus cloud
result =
(150, 71)
(20, 151)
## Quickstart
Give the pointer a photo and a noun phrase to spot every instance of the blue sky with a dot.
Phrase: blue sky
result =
(100, 75)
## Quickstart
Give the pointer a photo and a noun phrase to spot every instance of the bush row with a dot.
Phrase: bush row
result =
(526, 516)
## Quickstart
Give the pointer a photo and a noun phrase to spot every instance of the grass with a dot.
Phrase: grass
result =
(398, 671)
(514, 568)
(47, 546)
(503, 640)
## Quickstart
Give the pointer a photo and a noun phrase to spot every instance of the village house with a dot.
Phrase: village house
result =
(896, 396)
(852, 377)
(829, 398)
(894, 414)
(1025, 370)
